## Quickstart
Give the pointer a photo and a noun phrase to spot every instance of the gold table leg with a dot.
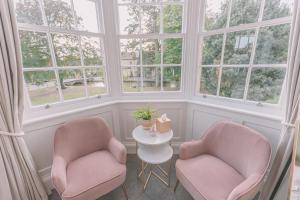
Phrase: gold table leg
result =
(151, 172)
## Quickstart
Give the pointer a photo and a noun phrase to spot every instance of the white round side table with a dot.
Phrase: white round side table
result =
(153, 149)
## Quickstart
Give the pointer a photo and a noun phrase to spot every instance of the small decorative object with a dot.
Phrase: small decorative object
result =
(146, 115)
(163, 124)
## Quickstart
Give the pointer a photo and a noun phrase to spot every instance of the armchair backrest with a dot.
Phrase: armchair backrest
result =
(244, 149)
(80, 137)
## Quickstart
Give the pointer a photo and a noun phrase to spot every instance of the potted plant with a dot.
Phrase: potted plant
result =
(147, 115)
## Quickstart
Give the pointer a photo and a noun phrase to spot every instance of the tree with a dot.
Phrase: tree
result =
(271, 48)
(35, 46)
(151, 48)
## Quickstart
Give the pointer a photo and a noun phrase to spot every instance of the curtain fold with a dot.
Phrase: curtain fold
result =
(284, 148)
(19, 179)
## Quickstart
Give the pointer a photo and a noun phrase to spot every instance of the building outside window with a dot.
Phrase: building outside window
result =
(151, 38)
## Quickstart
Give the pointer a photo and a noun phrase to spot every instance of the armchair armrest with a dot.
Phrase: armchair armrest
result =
(58, 174)
(246, 189)
(191, 149)
(118, 150)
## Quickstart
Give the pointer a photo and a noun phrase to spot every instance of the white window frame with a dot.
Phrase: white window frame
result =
(224, 31)
(160, 36)
(48, 30)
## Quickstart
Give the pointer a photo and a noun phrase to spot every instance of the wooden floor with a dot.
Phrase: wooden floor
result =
(155, 190)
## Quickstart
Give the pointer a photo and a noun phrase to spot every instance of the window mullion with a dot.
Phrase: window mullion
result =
(223, 49)
(248, 77)
(82, 69)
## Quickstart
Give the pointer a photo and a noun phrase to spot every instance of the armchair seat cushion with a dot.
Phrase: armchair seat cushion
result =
(93, 175)
(207, 177)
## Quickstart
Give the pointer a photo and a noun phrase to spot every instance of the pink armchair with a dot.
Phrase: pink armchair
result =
(88, 161)
(229, 163)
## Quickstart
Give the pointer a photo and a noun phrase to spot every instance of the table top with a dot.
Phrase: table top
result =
(155, 154)
(145, 137)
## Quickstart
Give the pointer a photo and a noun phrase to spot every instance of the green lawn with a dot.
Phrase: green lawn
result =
(50, 95)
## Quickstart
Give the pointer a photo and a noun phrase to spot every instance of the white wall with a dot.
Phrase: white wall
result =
(189, 121)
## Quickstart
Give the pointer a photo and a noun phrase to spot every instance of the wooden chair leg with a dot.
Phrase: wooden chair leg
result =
(176, 185)
(125, 191)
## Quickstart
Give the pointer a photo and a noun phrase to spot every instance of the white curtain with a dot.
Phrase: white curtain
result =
(18, 177)
(292, 100)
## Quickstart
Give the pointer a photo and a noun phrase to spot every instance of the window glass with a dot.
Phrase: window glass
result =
(42, 87)
(150, 19)
(66, 49)
(216, 14)
(131, 79)
(151, 50)
(130, 52)
(238, 47)
(91, 50)
(172, 18)
(85, 10)
(233, 82)
(71, 83)
(277, 8)
(172, 51)
(60, 14)
(28, 12)
(244, 12)
(272, 45)
(151, 79)
(212, 49)
(266, 84)
(95, 78)
(172, 78)
(35, 49)
(129, 17)
(209, 80)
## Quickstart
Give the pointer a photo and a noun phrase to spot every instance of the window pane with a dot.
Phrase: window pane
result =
(172, 18)
(244, 12)
(91, 50)
(129, 19)
(233, 82)
(266, 84)
(152, 78)
(85, 10)
(130, 53)
(95, 81)
(277, 8)
(42, 87)
(272, 45)
(151, 50)
(66, 49)
(216, 14)
(28, 11)
(212, 49)
(60, 14)
(72, 84)
(150, 19)
(35, 49)
(172, 78)
(131, 79)
(172, 51)
(238, 47)
(209, 80)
